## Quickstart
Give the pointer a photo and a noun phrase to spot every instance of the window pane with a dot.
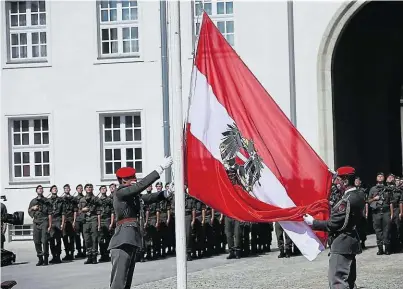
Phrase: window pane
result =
(22, 6)
(37, 125)
(130, 164)
(126, 33)
(45, 124)
(230, 27)
(207, 8)
(38, 157)
(125, 14)
(105, 48)
(112, 4)
(104, 15)
(43, 51)
(16, 125)
(113, 15)
(35, 51)
(42, 6)
(198, 8)
(138, 155)
(108, 155)
(117, 155)
(37, 138)
(230, 7)
(116, 121)
(108, 122)
(45, 156)
(14, 39)
(17, 171)
(46, 170)
(139, 167)
(26, 171)
(108, 168)
(230, 39)
(126, 46)
(14, 7)
(114, 47)
(105, 34)
(17, 139)
(42, 19)
(137, 134)
(129, 135)
(104, 4)
(23, 52)
(45, 136)
(43, 37)
(129, 154)
(108, 136)
(25, 139)
(220, 8)
(34, 19)
(17, 158)
(137, 121)
(135, 46)
(133, 13)
(25, 158)
(135, 32)
(116, 166)
(221, 26)
(25, 125)
(34, 6)
(128, 121)
(38, 171)
(14, 20)
(15, 53)
(23, 20)
(116, 135)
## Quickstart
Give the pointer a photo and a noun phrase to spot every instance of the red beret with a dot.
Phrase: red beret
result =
(345, 171)
(125, 172)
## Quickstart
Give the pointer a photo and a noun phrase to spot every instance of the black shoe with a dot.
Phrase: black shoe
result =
(189, 257)
(380, 250)
(288, 253)
(80, 255)
(57, 259)
(46, 261)
(363, 245)
(68, 257)
(387, 250)
(238, 254)
(53, 260)
(282, 254)
(89, 260)
(94, 260)
(40, 261)
(142, 260)
(231, 255)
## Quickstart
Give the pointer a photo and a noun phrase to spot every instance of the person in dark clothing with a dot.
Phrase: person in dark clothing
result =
(379, 200)
(345, 216)
(40, 211)
(285, 247)
(126, 204)
(70, 213)
(233, 231)
(190, 219)
(362, 229)
(78, 226)
(58, 221)
(107, 217)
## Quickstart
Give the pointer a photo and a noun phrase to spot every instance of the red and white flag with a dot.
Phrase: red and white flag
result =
(244, 157)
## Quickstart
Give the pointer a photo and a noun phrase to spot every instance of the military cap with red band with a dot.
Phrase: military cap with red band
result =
(125, 172)
(345, 171)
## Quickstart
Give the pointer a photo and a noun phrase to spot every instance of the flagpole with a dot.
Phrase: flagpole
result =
(291, 62)
(177, 133)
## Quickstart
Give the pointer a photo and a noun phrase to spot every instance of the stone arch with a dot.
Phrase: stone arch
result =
(328, 43)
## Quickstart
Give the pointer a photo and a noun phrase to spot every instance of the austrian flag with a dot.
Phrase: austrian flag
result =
(244, 158)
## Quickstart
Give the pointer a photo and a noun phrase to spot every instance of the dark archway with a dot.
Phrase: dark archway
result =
(367, 78)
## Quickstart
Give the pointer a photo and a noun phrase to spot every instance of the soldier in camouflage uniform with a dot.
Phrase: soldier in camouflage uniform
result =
(216, 232)
(362, 228)
(40, 211)
(58, 219)
(90, 207)
(396, 199)
(70, 213)
(107, 220)
(152, 228)
(112, 189)
(190, 219)
(198, 243)
(255, 238)
(234, 237)
(78, 226)
(162, 217)
(171, 225)
(148, 230)
(207, 237)
(245, 247)
(285, 247)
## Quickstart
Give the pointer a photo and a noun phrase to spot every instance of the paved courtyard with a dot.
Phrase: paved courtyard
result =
(266, 271)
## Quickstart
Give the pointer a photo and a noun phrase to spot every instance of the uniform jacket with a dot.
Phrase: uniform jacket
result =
(126, 204)
(384, 197)
(106, 207)
(57, 207)
(43, 212)
(345, 216)
(70, 206)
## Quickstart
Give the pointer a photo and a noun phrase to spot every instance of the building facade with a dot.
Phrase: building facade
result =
(81, 85)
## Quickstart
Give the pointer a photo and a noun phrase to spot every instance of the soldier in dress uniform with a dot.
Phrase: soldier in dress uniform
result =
(107, 220)
(362, 229)
(90, 207)
(342, 227)
(78, 226)
(40, 211)
(234, 237)
(285, 247)
(127, 238)
(58, 219)
(379, 201)
(70, 213)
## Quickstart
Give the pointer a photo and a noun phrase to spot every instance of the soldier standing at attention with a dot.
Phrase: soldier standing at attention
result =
(233, 231)
(171, 225)
(382, 212)
(107, 219)
(285, 250)
(70, 213)
(399, 217)
(162, 217)
(58, 219)
(190, 218)
(112, 189)
(197, 229)
(78, 225)
(148, 228)
(344, 218)
(90, 207)
(362, 229)
(127, 238)
(40, 211)
(152, 228)
(395, 195)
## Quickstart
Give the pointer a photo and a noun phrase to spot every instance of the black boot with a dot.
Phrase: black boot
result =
(189, 257)
(288, 253)
(380, 250)
(387, 249)
(231, 254)
(68, 257)
(89, 260)
(53, 260)
(46, 261)
(238, 253)
(57, 259)
(40, 261)
(80, 255)
(282, 254)
(94, 259)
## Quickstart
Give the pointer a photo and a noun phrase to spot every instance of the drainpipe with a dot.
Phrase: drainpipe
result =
(165, 84)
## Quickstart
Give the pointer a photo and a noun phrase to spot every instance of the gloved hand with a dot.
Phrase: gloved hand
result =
(165, 164)
(308, 219)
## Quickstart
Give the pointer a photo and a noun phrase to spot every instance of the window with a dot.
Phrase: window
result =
(121, 143)
(29, 149)
(118, 28)
(27, 31)
(222, 14)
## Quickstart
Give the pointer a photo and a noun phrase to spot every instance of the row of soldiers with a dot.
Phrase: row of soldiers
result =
(384, 205)
(67, 218)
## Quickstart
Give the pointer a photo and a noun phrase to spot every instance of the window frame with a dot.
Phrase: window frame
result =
(119, 24)
(31, 148)
(122, 144)
(9, 62)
